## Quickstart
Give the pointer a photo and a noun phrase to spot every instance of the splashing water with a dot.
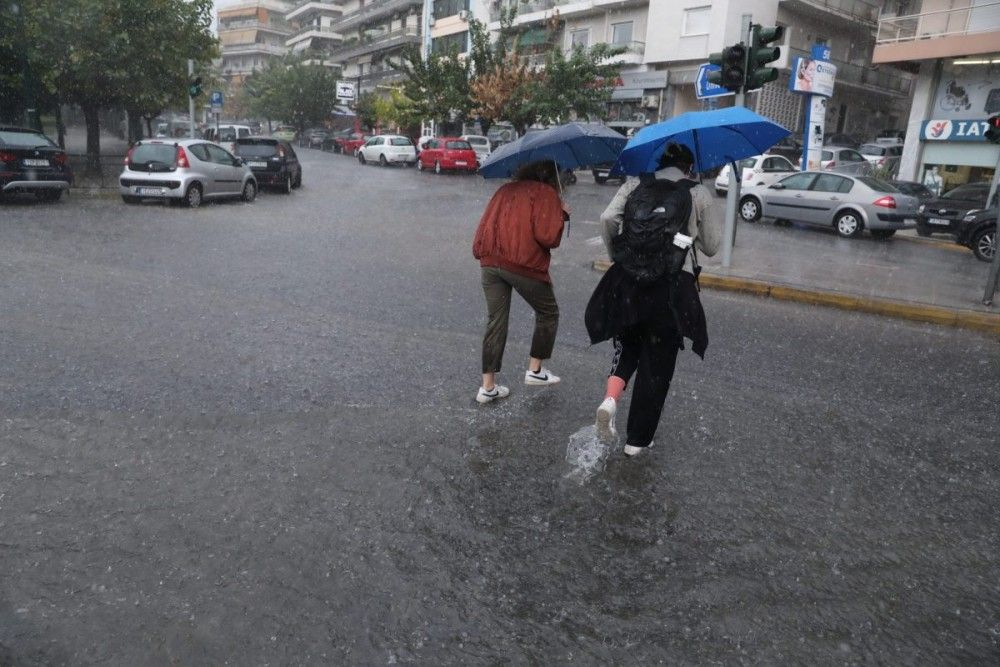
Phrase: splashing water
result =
(586, 454)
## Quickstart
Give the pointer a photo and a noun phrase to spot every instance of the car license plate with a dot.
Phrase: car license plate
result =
(258, 165)
(149, 191)
(461, 163)
(36, 163)
(938, 221)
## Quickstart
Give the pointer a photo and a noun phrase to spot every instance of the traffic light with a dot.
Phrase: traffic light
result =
(993, 128)
(194, 87)
(732, 62)
(761, 54)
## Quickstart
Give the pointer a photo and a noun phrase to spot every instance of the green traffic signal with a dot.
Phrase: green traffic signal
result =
(761, 55)
(993, 129)
(194, 88)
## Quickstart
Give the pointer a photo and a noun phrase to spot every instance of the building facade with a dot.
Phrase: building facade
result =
(251, 35)
(956, 45)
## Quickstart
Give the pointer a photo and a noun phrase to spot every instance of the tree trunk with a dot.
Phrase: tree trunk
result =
(60, 126)
(91, 115)
(484, 126)
(149, 126)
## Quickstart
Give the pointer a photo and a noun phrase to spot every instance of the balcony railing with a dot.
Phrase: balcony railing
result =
(381, 76)
(983, 17)
(320, 7)
(383, 42)
(375, 10)
(856, 10)
(861, 75)
(274, 26)
(314, 31)
(251, 49)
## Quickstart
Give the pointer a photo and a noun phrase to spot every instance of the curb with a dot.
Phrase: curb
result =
(937, 243)
(904, 310)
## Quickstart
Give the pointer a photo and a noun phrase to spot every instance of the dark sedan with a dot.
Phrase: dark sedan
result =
(978, 231)
(914, 189)
(944, 214)
(273, 162)
(32, 163)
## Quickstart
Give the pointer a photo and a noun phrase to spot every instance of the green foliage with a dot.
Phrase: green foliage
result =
(577, 86)
(367, 110)
(437, 86)
(293, 90)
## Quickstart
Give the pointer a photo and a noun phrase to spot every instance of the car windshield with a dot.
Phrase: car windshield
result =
(21, 138)
(478, 141)
(827, 155)
(877, 185)
(748, 163)
(458, 145)
(970, 191)
(256, 148)
(400, 141)
(148, 154)
(872, 149)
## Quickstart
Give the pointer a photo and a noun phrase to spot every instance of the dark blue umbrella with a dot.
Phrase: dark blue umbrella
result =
(570, 146)
(714, 137)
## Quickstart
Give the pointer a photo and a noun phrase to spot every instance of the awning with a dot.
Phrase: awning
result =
(626, 94)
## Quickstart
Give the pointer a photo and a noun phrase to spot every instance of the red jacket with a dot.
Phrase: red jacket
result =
(522, 222)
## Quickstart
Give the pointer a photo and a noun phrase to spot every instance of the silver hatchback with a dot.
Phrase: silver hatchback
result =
(849, 204)
(184, 171)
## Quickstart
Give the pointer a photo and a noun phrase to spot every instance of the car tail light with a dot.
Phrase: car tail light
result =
(181, 161)
(7, 157)
(885, 202)
(59, 159)
(833, 163)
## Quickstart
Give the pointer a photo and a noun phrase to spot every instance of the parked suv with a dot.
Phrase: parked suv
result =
(273, 162)
(943, 215)
(184, 171)
(32, 163)
(978, 231)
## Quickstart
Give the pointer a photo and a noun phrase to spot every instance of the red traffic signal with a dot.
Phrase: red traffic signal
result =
(993, 128)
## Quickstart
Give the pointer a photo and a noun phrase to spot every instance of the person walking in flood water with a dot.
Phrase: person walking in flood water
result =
(647, 302)
(521, 225)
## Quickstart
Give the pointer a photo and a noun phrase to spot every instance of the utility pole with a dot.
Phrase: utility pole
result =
(191, 97)
(735, 171)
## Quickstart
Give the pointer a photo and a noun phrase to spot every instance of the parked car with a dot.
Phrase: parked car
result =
(944, 214)
(789, 147)
(448, 154)
(184, 171)
(843, 160)
(602, 174)
(842, 139)
(32, 163)
(316, 137)
(918, 190)
(480, 144)
(350, 144)
(978, 231)
(285, 133)
(386, 149)
(847, 203)
(891, 137)
(500, 134)
(272, 161)
(759, 170)
(884, 157)
(226, 135)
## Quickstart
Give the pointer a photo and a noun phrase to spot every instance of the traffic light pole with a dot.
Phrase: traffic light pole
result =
(190, 102)
(732, 200)
(994, 275)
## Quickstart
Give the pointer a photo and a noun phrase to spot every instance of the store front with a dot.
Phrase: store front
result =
(636, 99)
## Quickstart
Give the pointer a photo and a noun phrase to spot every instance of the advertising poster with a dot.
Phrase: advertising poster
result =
(817, 126)
(813, 77)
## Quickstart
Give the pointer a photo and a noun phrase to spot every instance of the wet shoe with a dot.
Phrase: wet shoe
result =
(542, 377)
(632, 450)
(606, 420)
(498, 391)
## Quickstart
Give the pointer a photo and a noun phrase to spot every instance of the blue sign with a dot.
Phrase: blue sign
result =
(820, 52)
(216, 99)
(953, 130)
(703, 88)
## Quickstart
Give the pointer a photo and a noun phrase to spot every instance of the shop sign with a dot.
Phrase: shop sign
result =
(943, 129)
(814, 77)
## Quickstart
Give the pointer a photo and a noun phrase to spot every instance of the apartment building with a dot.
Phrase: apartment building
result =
(251, 35)
(314, 33)
(956, 46)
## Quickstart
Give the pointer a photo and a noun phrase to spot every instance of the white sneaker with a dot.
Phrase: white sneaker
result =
(542, 377)
(498, 391)
(606, 420)
(632, 450)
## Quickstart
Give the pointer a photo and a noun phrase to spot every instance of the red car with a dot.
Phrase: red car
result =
(352, 142)
(447, 153)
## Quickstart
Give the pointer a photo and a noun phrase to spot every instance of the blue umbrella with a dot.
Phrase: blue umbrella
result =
(570, 146)
(714, 137)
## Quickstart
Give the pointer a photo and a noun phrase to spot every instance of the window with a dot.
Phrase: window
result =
(831, 183)
(400, 141)
(773, 164)
(450, 43)
(798, 181)
(621, 33)
(218, 155)
(198, 150)
(580, 38)
(443, 8)
(697, 20)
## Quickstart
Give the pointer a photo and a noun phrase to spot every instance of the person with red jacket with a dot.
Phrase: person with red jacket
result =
(521, 224)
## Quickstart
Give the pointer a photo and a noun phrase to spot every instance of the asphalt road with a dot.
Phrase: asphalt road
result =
(246, 434)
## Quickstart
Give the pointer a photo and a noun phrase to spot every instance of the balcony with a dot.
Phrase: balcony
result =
(254, 49)
(383, 42)
(863, 12)
(865, 77)
(325, 8)
(526, 11)
(634, 52)
(323, 34)
(280, 28)
(375, 10)
(942, 33)
(381, 77)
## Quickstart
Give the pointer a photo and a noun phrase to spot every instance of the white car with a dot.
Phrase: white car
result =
(480, 144)
(843, 160)
(226, 135)
(759, 170)
(388, 148)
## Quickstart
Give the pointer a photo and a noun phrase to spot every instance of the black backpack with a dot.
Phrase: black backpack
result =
(654, 212)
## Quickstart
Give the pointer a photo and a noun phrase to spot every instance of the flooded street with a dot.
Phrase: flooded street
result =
(247, 434)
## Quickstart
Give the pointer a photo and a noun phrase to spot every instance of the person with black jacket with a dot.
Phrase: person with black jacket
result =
(648, 321)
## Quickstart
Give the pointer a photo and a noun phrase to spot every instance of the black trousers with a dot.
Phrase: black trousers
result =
(648, 349)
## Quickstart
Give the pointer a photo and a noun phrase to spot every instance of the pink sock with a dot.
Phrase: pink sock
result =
(616, 386)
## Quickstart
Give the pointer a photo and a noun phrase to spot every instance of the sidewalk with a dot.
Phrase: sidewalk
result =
(929, 280)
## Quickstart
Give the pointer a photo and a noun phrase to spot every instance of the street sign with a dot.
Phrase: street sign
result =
(345, 91)
(704, 88)
(216, 101)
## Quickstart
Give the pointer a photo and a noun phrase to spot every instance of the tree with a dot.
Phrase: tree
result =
(438, 86)
(577, 86)
(506, 93)
(295, 90)
(366, 110)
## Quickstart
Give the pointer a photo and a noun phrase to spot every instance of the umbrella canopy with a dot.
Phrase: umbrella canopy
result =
(570, 146)
(714, 137)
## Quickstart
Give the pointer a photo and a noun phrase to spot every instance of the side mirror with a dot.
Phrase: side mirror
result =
(776, 186)
(239, 162)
